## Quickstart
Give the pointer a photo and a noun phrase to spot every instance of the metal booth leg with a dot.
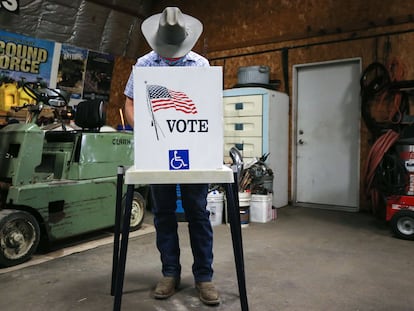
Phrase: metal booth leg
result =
(119, 255)
(236, 235)
(120, 269)
(117, 229)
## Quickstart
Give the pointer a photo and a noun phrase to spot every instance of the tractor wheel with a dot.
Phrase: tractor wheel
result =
(402, 224)
(137, 211)
(19, 237)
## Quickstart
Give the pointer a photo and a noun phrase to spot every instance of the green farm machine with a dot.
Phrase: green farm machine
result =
(59, 183)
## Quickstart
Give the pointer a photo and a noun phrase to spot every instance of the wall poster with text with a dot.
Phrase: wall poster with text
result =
(22, 59)
(98, 76)
(25, 58)
(71, 72)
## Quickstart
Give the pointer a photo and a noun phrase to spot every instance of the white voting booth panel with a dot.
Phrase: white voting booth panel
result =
(178, 126)
(178, 138)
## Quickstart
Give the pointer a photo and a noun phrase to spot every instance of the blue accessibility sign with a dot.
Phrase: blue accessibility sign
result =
(179, 159)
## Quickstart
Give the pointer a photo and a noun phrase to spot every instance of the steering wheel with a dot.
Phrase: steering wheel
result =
(47, 96)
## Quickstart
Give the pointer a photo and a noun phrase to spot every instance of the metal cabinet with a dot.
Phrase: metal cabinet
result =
(256, 121)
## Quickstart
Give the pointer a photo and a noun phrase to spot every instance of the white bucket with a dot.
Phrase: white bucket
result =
(244, 204)
(215, 207)
(261, 208)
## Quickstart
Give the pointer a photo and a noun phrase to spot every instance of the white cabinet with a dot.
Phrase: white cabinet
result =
(256, 121)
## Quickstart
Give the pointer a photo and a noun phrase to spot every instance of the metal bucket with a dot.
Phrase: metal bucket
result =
(253, 74)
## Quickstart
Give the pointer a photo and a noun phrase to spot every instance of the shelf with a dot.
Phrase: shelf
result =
(223, 175)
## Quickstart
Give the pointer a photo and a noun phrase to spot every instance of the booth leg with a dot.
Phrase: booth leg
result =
(117, 228)
(120, 271)
(236, 235)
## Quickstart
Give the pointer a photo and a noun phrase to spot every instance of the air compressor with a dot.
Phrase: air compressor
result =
(400, 208)
(393, 134)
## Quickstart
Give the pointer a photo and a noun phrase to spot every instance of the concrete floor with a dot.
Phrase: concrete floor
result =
(308, 259)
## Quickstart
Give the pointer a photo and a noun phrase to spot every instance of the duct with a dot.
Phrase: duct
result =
(56, 20)
(15, 23)
(112, 39)
(128, 7)
(89, 25)
(135, 40)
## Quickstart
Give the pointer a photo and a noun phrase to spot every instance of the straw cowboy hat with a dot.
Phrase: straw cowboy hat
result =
(171, 34)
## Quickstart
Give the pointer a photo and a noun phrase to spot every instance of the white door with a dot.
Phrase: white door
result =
(326, 134)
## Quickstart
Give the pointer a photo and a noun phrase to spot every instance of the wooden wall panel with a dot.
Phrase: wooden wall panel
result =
(239, 24)
(247, 33)
(382, 45)
(122, 69)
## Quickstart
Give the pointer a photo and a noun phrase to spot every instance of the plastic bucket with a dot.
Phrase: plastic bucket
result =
(261, 208)
(244, 204)
(215, 207)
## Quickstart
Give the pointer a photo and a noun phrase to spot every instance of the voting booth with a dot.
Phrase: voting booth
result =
(178, 138)
(178, 118)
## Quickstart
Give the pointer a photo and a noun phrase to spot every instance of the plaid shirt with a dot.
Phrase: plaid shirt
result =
(152, 59)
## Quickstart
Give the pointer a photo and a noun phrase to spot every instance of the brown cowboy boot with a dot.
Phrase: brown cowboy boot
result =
(166, 287)
(208, 293)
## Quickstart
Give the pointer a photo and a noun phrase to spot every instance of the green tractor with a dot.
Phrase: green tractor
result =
(56, 184)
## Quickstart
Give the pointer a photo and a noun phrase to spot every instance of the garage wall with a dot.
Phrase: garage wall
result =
(380, 44)
(267, 32)
(236, 33)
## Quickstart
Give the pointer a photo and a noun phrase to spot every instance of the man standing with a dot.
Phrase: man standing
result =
(172, 34)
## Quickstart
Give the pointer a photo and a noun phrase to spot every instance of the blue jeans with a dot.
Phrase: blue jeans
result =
(194, 200)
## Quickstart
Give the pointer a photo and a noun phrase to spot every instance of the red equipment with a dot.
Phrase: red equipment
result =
(400, 213)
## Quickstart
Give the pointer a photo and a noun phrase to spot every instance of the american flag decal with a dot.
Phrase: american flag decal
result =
(163, 98)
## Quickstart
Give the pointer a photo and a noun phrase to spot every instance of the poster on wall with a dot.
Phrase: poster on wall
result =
(83, 73)
(25, 58)
(11, 6)
(98, 76)
(22, 59)
(71, 72)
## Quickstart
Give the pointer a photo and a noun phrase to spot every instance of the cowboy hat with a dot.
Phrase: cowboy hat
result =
(171, 34)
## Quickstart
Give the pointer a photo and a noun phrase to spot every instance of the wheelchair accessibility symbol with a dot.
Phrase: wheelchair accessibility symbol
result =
(179, 160)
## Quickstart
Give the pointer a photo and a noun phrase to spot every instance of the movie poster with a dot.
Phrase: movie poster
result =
(98, 76)
(71, 72)
(84, 74)
(25, 59)
(22, 59)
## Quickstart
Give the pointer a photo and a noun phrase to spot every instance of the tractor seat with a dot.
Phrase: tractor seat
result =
(90, 114)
